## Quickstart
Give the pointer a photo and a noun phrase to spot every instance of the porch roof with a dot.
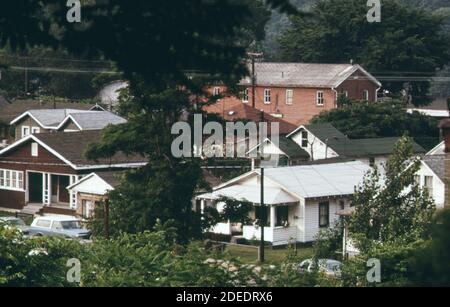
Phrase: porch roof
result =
(272, 195)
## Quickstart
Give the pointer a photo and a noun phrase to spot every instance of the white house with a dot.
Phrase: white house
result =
(298, 200)
(431, 176)
(324, 141)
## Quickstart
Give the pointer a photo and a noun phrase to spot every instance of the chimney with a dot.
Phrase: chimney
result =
(444, 125)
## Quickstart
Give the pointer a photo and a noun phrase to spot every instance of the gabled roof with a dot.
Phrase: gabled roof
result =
(70, 147)
(305, 74)
(92, 120)
(346, 147)
(111, 179)
(439, 149)
(437, 164)
(304, 181)
(286, 145)
(243, 111)
(47, 118)
(18, 107)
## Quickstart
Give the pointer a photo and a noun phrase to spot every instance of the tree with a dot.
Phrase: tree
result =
(361, 120)
(430, 264)
(409, 41)
(393, 209)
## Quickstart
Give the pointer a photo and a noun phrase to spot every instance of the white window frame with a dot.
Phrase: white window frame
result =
(216, 91)
(366, 95)
(34, 149)
(428, 184)
(11, 180)
(304, 137)
(245, 95)
(320, 98)
(35, 130)
(289, 96)
(267, 96)
(25, 128)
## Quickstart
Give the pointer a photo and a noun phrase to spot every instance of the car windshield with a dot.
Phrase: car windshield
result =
(16, 222)
(71, 225)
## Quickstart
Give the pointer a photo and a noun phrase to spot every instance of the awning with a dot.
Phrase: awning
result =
(272, 195)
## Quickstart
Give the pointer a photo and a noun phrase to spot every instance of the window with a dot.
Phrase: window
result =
(319, 99)
(88, 208)
(346, 94)
(11, 180)
(366, 95)
(304, 138)
(289, 96)
(35, 130)
(267, 96)
(428, 184)
(34, 149)
(372, 161)
(216, 91)
(57, 226)
(245, 95)
(263, 213)
(341, 204)
(43, 223)
(282, 213)
(25, 131)
(324, 214)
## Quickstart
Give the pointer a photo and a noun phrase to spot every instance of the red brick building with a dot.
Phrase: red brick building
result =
(296, 92)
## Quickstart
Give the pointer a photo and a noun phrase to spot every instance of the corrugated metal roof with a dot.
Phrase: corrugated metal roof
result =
(97, 120)
(304, 74)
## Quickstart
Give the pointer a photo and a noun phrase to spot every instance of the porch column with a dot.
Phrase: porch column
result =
(273, 216)
(46, 189)
(73, 194)
(202, 205)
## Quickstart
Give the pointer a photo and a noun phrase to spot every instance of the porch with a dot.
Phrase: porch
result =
(280, 213)
(50, 190)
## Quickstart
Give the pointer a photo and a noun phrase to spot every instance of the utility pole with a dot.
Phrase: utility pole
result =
(253, 56)
(262, 207)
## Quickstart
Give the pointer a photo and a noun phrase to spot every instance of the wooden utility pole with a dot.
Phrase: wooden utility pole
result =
(253, 56)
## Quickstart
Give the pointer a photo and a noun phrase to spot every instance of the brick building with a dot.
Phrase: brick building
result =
(296, 92)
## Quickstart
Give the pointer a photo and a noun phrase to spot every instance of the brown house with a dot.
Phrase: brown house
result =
(296, 92)
(36, 170)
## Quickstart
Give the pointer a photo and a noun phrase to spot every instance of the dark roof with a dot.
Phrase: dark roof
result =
(440, 103)
(111, 177)
(436, 163)
(3, 103)
(73, 145)
(16, 108)
(325, 131)
(444, 123)
(292, 149)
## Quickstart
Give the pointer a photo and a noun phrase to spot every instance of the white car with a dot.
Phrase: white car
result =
(58, 225)
(330, 267)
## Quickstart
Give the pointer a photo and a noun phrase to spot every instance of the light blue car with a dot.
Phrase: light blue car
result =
(58, 225)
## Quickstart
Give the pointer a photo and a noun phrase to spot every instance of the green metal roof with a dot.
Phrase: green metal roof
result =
(292, 149)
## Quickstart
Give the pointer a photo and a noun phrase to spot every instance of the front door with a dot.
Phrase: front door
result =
(35, 187)
(54, 188)
(63, 183)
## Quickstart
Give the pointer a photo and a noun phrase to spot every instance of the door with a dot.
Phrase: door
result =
(63, 192)
(54, 188)
(35, 187)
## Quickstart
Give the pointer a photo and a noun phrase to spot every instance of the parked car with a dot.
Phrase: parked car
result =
(15, 222)
(58, 225)
(330, 267)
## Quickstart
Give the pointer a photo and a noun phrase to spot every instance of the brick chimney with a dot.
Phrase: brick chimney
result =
(444, 125)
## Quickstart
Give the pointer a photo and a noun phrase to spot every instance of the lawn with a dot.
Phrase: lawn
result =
(250, 254)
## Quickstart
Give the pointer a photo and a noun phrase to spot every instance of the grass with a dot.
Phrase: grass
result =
(4, 213)
(250, 254)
